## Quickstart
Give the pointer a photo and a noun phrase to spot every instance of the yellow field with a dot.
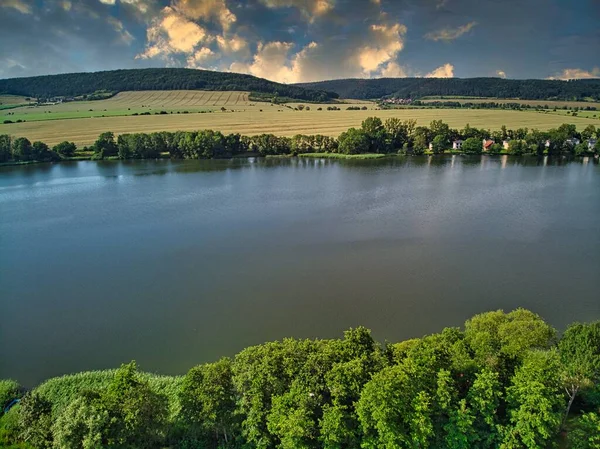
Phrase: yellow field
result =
(175, 99)
(550, 104)
(278, 120)
(12, 100)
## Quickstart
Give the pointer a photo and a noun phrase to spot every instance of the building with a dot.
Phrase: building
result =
(591, 144)
(457, 144)
(573, 141)
(505, 144)
(487, 144)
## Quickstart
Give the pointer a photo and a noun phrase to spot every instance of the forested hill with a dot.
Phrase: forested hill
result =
(75, 84)
(472, 87)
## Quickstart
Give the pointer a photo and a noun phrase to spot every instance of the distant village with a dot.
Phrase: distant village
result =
(486, 144)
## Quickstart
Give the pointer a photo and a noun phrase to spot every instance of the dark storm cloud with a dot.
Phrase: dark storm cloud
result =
(300, 40)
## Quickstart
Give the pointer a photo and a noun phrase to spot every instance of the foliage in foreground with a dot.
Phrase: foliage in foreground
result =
(499, 383)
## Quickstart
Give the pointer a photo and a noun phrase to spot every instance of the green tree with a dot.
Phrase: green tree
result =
(41, 152)
(459, 430)
(439, 128)
(516, 147)
(5, 148)
(439, 144)
(9, 390)
(21, 149)
(353, 141)
(83, 424)
(208, 402)
(105, 146)
(420, 139)
(496, 148)
(580, 355)
(484, 397)
(588, 132)
(260, 374)
(396, 133)
(374, 130)
(535, 404)
(138, 415)
(35, 421)
(472, 146)
(586, 432)
(65, 149)
(493, 335)
(293, 418)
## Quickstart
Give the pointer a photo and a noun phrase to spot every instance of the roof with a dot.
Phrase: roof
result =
(488, 143)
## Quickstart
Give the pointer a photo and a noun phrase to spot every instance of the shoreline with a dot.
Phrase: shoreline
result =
(338, 156)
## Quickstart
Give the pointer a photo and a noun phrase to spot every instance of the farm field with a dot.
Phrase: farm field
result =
(128, 103)
(544, 103)
(12, 101)
(248, 118)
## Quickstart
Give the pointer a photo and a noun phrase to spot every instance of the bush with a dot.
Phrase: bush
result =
(35, 420)
(586, 432)
(66, 149)
(9, 427)
(9, 390)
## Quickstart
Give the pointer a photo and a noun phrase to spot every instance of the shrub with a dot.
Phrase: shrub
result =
(9, 390)
(35, 420)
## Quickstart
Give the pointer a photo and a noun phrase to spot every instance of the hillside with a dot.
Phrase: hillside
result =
(77, 84)
(472, 87)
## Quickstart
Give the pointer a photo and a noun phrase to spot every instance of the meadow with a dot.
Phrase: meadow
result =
(73, 121)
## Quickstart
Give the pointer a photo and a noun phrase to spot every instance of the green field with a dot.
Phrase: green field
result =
(73, 121)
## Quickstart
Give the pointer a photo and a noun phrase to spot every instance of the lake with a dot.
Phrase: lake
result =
(175, 263)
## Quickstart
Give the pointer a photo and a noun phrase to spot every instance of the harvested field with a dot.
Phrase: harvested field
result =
(279, 120)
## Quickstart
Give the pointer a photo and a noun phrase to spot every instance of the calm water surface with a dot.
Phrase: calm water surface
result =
(177, 263)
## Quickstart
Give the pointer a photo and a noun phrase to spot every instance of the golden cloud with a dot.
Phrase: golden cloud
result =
(573, 74)
(449, 34)
(445, 71)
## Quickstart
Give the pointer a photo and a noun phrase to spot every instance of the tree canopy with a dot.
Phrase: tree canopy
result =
(497, 383)
(415, 88)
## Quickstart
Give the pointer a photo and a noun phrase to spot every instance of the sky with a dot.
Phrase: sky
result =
(305, 40)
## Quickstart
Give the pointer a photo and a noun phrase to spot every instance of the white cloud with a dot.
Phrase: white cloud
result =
(108, 2)
(19, 5)
(384, 46)
(309, 8)
(10, 67)
(172, 33)
(445, 71)
(124, 35)
(207, 10)
(200, 57)
(271, 62)
(233, 44)
(571, 74)
(143, 6)
(501, 73)
(449, 34)
(393, 70)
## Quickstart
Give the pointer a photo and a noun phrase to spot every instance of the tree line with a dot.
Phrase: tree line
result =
(504, 381)
(374, 136)
(416, 88)
(493, 105)
(77, 84)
